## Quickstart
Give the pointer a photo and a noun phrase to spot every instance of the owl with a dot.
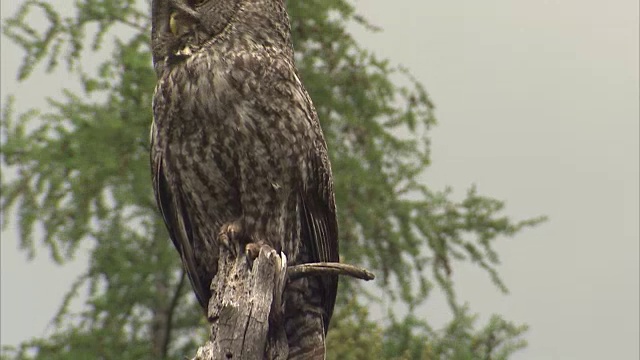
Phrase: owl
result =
(237, 152)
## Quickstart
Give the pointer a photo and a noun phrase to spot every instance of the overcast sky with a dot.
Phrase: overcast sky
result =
(538, 105)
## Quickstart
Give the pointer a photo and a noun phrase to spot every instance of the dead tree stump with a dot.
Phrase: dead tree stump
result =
(246, 309)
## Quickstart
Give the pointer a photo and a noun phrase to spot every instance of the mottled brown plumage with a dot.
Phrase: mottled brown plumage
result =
(237, 149)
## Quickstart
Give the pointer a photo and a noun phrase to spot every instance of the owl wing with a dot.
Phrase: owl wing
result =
(176, 218)
(318, 217)
(289, 105)
(320, 226)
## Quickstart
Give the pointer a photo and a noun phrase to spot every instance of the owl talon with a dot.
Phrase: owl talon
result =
(252, 250)
(230, 237)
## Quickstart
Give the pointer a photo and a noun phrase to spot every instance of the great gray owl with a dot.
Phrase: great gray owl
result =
(237, 151)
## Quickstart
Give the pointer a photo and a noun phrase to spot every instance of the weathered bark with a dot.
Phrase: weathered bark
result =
(246, 306)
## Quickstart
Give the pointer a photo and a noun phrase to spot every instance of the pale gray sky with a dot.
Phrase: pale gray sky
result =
(538, 105)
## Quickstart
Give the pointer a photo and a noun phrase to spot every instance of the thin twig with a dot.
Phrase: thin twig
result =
(172, 309)
(328, 268)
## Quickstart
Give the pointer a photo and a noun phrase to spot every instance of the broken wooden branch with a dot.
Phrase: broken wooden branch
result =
(328, 268)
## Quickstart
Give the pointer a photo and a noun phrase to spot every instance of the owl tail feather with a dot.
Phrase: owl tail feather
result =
(307, 340)
(303, 320)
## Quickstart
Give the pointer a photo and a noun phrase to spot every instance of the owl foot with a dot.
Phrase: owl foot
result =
(252, 250)
(230, 236)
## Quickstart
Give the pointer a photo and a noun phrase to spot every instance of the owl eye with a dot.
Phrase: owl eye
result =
(173, 23)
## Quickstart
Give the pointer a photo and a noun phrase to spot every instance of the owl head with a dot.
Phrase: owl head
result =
(181, 27)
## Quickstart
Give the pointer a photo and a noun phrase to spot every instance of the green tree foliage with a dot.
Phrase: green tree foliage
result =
(83, 177)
